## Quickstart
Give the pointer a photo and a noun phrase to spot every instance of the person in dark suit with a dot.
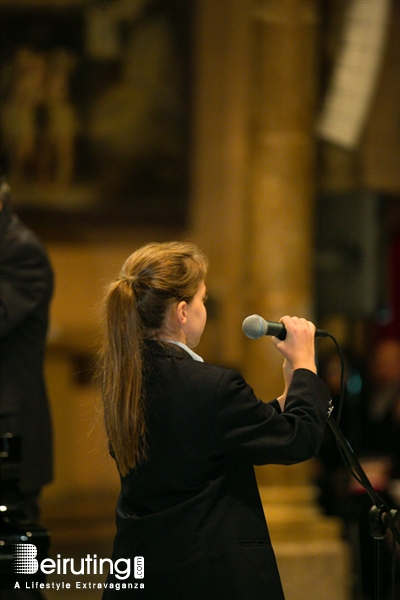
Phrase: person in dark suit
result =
(185, 436)
(26, 287)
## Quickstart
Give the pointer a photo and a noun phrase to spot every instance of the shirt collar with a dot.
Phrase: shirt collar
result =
(188, 350)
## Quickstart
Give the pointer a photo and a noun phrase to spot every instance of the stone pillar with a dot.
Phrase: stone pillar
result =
(280, 249)
(219, 174)
(281, 181)
(281, 169)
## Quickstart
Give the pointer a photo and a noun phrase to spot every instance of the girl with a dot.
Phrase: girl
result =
(185, 436)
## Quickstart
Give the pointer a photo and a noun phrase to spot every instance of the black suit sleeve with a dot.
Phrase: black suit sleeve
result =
(263, 434)
(26, 279)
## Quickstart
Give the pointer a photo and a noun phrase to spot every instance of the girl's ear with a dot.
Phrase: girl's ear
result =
(181, 312)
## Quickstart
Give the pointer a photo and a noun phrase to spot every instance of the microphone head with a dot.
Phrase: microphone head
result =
(254, 327)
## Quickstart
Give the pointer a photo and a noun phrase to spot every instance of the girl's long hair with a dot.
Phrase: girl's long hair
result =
(135, 306)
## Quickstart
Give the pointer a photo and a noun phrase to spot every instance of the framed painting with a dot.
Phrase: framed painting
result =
(95, 107)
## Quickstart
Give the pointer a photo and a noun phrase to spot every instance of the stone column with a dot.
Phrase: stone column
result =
(280, 247)
(281, 194)
(219, 175)
(281, 168)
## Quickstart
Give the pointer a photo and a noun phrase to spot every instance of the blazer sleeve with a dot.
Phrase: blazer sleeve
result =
(260, 432)
(26, 280)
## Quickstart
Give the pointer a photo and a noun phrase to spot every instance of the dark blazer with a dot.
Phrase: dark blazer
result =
(193, 510)
(26, 285)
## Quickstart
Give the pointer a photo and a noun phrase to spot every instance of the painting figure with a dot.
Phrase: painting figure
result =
(39, 121)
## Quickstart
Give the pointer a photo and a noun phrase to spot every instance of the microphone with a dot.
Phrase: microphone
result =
(255, 327)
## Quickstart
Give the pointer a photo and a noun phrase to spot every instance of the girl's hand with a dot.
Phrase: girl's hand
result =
(298, 348)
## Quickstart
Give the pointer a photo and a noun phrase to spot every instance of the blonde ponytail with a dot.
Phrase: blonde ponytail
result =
(121, 361)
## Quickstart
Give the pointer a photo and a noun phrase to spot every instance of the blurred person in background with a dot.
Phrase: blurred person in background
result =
(383, 434)
(26, 288)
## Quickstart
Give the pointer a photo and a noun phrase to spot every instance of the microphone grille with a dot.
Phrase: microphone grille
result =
(254, 327)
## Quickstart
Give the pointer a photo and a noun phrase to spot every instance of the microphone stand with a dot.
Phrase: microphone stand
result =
(380, 517)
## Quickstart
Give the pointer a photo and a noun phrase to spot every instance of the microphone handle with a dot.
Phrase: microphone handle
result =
(279, 331)
(276, 329)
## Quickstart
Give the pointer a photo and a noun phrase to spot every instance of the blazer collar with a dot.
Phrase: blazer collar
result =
(165, 349)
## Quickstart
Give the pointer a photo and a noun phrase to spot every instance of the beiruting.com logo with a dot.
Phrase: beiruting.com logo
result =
(25, 562)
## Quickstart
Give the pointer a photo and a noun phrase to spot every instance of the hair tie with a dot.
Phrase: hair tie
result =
(131, 281)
